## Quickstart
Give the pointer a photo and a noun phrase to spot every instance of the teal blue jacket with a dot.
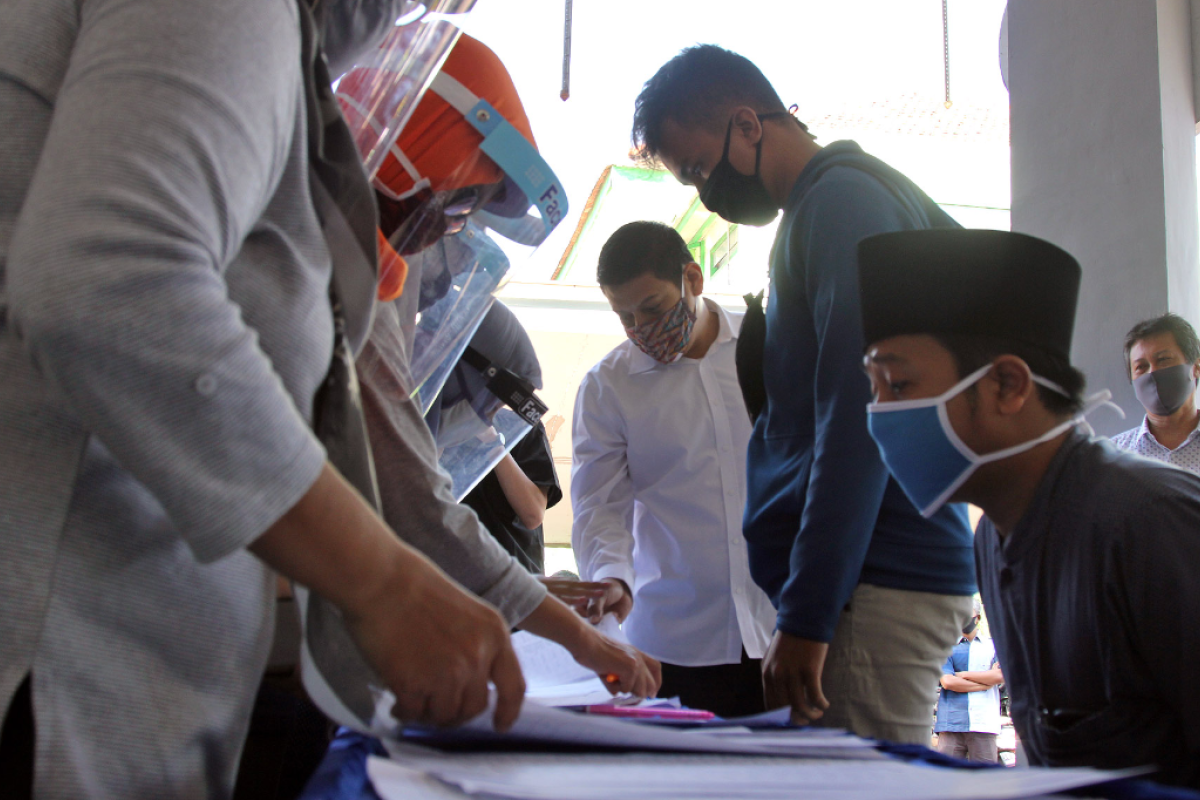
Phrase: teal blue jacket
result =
(822, 513)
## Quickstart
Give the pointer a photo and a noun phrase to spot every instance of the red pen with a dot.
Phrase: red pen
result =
(665, 712)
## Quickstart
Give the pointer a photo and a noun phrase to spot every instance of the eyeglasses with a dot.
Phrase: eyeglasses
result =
(429, 215)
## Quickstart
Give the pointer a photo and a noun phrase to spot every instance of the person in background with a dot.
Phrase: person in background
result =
(870, 596)
(968, 712)
(511, 500)
(1087, 554)
(166, 337)
(1162, 359)
(658, 481)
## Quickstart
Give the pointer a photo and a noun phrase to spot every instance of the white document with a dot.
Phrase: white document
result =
(646, 776)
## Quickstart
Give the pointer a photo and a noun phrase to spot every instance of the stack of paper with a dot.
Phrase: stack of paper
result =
(414, 774)
(552, 726)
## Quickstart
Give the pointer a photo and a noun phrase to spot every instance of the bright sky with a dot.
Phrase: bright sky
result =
(820, 55)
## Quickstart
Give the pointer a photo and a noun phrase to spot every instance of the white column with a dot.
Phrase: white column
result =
(1103, 164)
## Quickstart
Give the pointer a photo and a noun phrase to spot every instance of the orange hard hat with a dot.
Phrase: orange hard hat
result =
(437, 142)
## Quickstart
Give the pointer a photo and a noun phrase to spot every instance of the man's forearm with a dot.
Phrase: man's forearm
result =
(987, 677)
(333, 543)
(957, 684)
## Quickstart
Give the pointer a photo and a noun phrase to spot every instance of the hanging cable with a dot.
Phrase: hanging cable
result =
(945, 48)
(566, 82)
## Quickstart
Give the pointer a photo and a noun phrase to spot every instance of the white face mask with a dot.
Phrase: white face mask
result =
(926, 456)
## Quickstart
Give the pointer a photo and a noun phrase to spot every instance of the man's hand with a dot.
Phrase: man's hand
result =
(437, 648)
(593, 599)
(636, 673)
(631, 670)
(792, 676)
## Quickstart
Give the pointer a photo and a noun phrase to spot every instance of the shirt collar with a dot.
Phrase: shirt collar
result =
(727, 330)
(1144, 433)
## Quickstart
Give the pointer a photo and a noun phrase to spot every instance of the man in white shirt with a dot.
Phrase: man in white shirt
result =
(658, 483)
(1162, 356)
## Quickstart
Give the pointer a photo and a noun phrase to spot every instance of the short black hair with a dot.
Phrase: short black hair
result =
(1177, 326)
(697, 88)
(973, 352)
(640, 247)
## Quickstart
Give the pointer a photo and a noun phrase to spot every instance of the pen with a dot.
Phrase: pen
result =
(612, 679)
(651, 713)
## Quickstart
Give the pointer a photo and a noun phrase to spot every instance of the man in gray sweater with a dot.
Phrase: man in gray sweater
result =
(173, 208)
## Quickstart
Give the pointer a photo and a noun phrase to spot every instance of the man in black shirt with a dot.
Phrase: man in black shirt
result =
(1088, 555)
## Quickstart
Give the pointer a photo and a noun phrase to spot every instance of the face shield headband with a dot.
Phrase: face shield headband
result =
(528, 178)
(513, 390)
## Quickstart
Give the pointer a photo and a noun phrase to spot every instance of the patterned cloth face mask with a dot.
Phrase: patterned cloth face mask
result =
(665, 337)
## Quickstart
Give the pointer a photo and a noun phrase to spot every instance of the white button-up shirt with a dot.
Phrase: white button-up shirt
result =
(1141, 441)
(658, 487)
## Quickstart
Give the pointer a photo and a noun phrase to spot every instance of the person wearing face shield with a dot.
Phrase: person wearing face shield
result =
(832, 540)
(1162, 360)
(437, 162)
(511, 498)
(178, 199)
(1087, 554)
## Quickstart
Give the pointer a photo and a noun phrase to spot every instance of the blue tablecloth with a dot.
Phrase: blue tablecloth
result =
(343, 773)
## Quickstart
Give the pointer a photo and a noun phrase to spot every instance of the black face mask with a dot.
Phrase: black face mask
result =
(738, 198)
(970, 627)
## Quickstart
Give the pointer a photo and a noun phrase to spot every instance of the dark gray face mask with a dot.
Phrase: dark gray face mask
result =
(1164, 391)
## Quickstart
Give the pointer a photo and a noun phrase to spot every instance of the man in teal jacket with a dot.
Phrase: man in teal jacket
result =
(870, 595)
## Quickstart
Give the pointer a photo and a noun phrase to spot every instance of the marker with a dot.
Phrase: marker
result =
(652, 713)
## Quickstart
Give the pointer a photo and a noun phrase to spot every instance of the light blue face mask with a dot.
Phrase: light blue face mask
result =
(928, 459)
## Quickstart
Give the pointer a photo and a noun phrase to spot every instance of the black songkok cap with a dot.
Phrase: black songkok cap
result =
(973, 282)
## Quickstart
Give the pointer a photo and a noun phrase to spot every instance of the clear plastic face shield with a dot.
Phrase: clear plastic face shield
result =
(402, 68)
(464, 196)
(483, 412)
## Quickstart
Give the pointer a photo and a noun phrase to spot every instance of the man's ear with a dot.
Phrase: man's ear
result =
(693, 276)
(747, 124)
(1013, 381)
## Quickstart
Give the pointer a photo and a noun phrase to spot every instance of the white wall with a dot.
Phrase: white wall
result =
(1103, 164)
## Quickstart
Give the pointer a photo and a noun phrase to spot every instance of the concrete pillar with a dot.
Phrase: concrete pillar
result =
(1103, 164)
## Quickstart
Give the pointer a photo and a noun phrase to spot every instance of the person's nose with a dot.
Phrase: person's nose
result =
(641, 318)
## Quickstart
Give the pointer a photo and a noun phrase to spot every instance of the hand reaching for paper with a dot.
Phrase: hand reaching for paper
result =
(635, 672)
(593, 599)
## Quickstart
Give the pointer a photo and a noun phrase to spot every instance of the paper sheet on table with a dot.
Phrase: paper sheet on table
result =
(645, 776)
(541, 725)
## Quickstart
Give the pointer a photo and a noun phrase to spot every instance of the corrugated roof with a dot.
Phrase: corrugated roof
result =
(912, 115)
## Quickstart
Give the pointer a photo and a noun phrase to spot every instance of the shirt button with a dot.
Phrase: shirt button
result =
(206, 385)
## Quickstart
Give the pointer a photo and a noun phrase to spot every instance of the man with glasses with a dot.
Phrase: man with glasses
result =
(1162, 359)
(870, 596)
